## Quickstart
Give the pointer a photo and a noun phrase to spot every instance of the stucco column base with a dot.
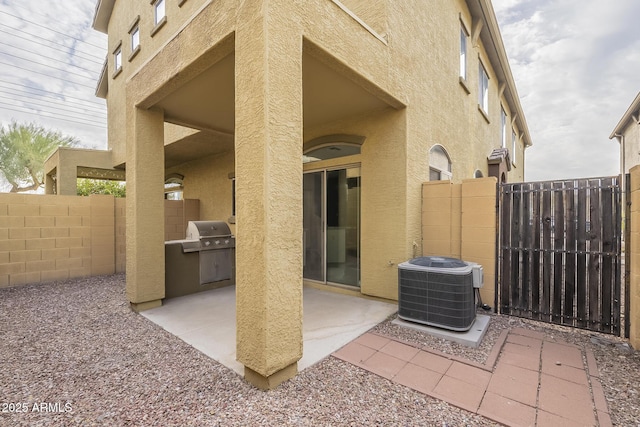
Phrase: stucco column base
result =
(148, 305)
(273, 380)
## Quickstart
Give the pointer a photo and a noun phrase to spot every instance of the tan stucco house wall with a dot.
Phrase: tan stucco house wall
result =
(232, 95)
(627, 134)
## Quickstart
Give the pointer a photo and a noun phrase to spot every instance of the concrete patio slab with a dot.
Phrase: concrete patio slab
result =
(207, 321)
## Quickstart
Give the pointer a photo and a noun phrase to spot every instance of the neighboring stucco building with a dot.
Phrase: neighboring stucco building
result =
(311, 126)
(627, 133)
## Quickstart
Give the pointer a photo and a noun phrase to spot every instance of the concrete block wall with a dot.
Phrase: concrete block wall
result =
(633, 258)
(45, 238)
(177, 213)
(441, 218)
(460, 221)
(52, 237)
(479, 223)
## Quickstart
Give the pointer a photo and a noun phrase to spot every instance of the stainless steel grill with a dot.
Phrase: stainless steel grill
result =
(213, 240)
(204, 260)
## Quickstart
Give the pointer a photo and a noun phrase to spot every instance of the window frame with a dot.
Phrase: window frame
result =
(514, 142)
(117, 60)
(134, 29)
(483, 88)
(443, 175)
(158, 21)
(464, 36)
(156, 7)
(135, 38)
(503, 128)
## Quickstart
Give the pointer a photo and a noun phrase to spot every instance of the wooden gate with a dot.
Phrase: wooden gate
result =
(560, 252)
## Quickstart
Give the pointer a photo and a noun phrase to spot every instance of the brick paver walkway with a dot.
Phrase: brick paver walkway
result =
(527, 380)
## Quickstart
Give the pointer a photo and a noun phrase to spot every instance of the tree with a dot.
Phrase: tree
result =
(87, 187)
(23, 150)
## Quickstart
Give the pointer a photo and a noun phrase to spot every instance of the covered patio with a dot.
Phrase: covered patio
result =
(206, 321)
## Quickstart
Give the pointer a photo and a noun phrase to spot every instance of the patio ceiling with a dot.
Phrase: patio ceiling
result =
(207, 103)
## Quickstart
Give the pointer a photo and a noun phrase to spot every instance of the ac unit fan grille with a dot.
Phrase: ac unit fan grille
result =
(436, 299)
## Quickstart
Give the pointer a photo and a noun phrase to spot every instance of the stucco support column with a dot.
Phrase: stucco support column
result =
(67, 179)
(268, 150)
(145, 209)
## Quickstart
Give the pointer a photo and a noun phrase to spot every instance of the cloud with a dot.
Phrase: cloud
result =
(575, 64)
(51, 61)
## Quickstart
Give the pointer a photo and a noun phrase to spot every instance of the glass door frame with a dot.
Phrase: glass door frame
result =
(324, 171)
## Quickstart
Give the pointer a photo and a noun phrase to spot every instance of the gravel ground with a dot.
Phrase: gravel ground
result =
(75, 354)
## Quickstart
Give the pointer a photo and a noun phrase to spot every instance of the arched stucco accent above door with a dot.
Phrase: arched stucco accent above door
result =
(331, 147)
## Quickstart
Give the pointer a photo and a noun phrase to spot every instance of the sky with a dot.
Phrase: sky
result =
(576, 64)
(50, 62)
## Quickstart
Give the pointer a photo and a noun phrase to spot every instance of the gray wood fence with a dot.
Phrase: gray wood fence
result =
(560, 252)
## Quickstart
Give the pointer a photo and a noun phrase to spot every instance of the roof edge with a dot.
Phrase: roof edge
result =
(493, 29)
(627, 116)
(102, 15)
(102, 88)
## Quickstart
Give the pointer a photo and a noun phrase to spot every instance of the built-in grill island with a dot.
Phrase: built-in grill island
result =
(204, 260)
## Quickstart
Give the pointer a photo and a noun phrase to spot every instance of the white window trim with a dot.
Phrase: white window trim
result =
(156, 18)
(503, 123)
(483, 90)
(158, 22)
(117, 60)
(133, 29)
(464, 51)
(444, 174)
(514, 142)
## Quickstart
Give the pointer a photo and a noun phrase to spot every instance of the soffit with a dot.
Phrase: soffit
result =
(207, 102)
(196, 146)
(102, 15)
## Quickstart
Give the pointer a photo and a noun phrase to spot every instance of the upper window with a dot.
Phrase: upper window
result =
(134, 35)
(483, 90)
(159, 12)
(503, 132)
(135, 38)
(463, 53)
(439, 164)
(117, 60)
(514, 139)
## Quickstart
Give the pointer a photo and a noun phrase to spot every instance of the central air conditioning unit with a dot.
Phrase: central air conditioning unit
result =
(438, 291)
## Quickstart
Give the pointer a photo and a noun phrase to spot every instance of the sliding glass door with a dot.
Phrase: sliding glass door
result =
(313, 226)
(331, 224)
